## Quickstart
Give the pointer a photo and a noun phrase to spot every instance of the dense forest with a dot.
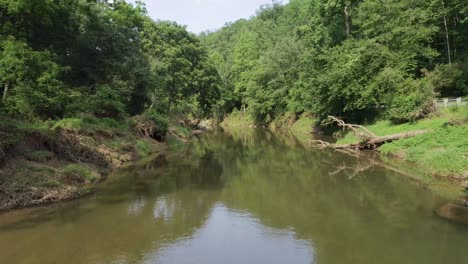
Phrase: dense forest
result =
(66, 58)
(343, 57)
(347, 58)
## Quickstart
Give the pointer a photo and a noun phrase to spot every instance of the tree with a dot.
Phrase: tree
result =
(350, 78)
(179, 65)
(30, 80)
(406, 27)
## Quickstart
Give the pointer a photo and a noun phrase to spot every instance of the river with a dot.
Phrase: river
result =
(241, 197)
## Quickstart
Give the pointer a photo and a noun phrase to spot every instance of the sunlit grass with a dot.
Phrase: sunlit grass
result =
(238, 119)
(443, 151)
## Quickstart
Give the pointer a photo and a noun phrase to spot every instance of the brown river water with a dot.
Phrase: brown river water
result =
(241, 197)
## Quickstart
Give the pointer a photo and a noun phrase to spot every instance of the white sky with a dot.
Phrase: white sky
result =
(201, 15)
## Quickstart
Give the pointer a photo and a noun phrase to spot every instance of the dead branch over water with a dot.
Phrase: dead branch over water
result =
(367, 139)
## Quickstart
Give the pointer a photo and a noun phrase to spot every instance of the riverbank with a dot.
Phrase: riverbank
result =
(51, 161)
(301, 127)
(443, 152)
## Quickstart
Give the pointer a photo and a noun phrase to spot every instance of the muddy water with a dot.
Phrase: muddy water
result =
(249, 197)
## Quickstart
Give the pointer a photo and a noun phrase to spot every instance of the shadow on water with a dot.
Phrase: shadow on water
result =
(245, 196)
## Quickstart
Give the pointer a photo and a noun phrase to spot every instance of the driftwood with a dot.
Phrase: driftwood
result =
(367, 139)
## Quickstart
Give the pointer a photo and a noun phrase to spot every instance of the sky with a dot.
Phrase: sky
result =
(201, 15)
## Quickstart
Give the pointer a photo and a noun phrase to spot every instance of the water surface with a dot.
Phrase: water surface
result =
(250, 197)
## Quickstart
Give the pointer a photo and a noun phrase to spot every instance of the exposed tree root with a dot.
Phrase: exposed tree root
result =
(11, 198)
(367, 139)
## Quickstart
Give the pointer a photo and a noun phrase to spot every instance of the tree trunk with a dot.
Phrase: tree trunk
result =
(447, 38)
(5, 91)
(367, 139)
(454, 43)
(347, 19)
(171, 96)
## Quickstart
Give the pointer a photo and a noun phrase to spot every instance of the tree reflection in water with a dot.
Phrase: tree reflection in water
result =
(239, 197)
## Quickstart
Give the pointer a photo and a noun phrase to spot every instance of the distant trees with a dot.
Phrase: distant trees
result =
(344, 58)
(180, 65)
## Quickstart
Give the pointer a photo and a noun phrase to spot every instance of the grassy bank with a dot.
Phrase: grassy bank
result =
(49, 161)
(300, 126)
(443, 151)
(238, 119)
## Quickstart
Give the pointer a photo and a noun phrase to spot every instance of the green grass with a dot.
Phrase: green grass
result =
(183, 131)
(143, 148)
(304, 125)
(238, 119)
(444, 151)
(79, 173)
(92, 124)
(174, 142)
(13, 130)
(300, 127)
(39, 155)
(438, 120)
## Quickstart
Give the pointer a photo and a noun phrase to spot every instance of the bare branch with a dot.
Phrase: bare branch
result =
(368, 140)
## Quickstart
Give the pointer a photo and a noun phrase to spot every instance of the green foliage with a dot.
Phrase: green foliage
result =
(182, 71)
(10, 134)
(412, 102)
(73, 58)
(347, 58)
(183, 131)
(355, 76)
(92, 125)
(161, 123)
(143, 148)
(297, 58)
(30, 81)
(238, 119)
(304, 126)
(449, 80)
(406, 27)
(106, 102)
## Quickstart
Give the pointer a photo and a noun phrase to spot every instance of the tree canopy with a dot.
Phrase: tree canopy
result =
(70, 57)
(350, 58)
(345, 58)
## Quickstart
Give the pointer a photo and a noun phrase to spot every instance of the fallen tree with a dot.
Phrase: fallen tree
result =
(366, 139)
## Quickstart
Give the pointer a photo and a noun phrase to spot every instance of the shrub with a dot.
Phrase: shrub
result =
(143, 148)
(151, 124)
(183, 131)
(413, 101)
(10, 134)
(162, 123)
(448, 80)
(33, 77)
(106, 102)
